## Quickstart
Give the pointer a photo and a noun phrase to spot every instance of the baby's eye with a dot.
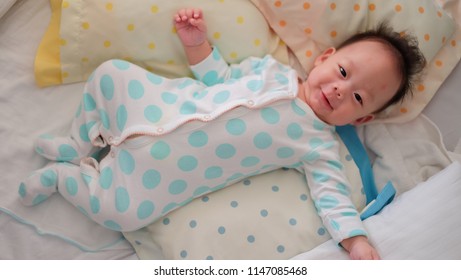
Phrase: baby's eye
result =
(358, 98)
(342, 71)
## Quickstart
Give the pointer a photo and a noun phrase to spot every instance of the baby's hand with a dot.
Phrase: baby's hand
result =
(191, 27)
(360, 249)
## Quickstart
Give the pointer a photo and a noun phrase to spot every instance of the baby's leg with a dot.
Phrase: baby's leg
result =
(98, 116)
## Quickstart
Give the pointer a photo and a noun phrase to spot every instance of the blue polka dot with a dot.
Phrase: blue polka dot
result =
(49, 178)
(247, 182)
(188, 108)
(311, 156)
(249, 161)
(88, 102)
(255, 85)
(106, 177)
(262, 140)
(193, 224)
(183, 254)
(280, 249)
(327, 202)
(210, 258)
(334, 164)
(169, 98)
(126, 162)
(185, 83)
(200, 94)
(66, 152)
(122, 199)
(251, 239)
(122, 117)
(357, 232)
(275, 188)
(199, 191)
(121, 64)
(320, 177)
(348, 157)
(321, 231)
(107, 87)
(294, 131)
(213, 172)
(285, 152)
(71, 186)
(225, 151)
(113, 225)
(221, 230)
(282, 79)
(153, 113)
(210, 78)
(166, 221)
(205, 199)
(104, 118)
(84, 129)
(318, 125)
(303, 197)
(187, 163)
(315, 142)
(343, 189)
(292, 221)
(221, 97)
(296, 109)
(335, 225)
(234, 204)
(270, 115)
(39, 199)
(177, 187)
(236, 127)
(198, 139)
(86, 178)
(264, 213)
(135, 89)
(22, 190)
(160, 150)
(95, 206)
(145, 209)
(151, 179)
(155, 79)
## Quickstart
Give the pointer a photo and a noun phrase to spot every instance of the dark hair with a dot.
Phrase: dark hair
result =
(406, 51)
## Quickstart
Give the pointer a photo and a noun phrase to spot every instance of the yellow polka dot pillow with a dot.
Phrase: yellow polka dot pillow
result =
(84, 33)
(310, 26)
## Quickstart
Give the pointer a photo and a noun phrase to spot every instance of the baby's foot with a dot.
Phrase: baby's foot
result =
(40, 185)
(62, 148)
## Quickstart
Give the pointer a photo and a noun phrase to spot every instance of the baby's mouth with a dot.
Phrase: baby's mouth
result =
(326, 102)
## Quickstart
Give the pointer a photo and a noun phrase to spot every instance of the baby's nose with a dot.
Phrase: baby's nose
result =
(338, 93)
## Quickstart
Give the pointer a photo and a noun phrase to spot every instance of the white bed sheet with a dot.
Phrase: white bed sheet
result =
(27, 111)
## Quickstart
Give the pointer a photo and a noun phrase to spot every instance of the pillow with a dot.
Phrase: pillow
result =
(308, 27)
(269, 216)
(83, 33)
(398, 237)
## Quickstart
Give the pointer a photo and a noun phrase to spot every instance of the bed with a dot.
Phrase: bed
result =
(48, 48)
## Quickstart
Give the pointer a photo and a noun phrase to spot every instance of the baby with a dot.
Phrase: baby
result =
(172, 140)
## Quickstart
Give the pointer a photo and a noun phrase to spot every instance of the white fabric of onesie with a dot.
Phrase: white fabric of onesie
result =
(172, 140)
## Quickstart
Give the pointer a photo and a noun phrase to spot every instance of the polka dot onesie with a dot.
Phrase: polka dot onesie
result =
(172, 140)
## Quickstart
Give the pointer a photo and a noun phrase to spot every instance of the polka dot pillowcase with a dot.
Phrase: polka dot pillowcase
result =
(83, 33)
(308, 27)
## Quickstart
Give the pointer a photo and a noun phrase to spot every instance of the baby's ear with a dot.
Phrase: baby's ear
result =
(363, 120)
(325, 54)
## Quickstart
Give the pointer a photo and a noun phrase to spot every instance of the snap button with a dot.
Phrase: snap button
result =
(251, 102)
(207, 117)
(160, 129)
(112, 154)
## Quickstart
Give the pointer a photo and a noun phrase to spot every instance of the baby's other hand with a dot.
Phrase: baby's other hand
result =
(190, 26)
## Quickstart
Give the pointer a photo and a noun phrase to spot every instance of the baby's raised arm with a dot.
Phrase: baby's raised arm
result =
(192, 31)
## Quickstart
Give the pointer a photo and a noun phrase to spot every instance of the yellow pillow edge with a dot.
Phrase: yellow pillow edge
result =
(47, 66)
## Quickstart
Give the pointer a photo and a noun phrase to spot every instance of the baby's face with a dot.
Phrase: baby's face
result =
(348, 85)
